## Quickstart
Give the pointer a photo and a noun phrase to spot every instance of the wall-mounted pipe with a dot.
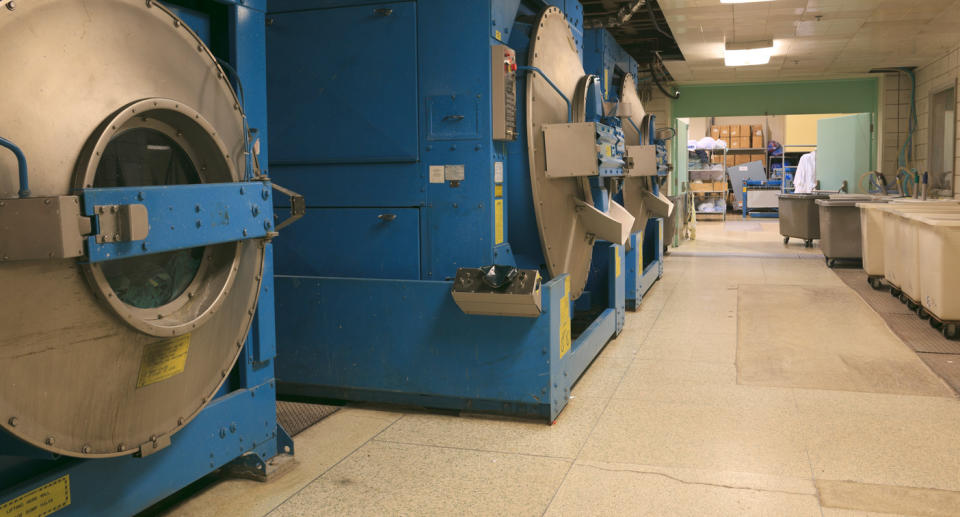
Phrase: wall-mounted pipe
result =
(547, 79)
(21, 165)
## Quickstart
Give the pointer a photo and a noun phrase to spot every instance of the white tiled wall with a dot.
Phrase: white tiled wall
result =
(933, 77)
(896, 109)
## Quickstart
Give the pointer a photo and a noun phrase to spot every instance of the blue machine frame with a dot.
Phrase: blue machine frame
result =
(240, 423)
(404, 186)
(605, 58)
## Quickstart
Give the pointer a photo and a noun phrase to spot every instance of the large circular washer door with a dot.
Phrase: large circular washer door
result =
(566, 243)
(99, 361)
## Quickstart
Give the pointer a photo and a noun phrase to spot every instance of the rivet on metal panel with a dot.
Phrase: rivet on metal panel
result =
(143, 246)
(50, 440)
(233, 427)
(199, 224)
(267, 225)
(197, 209)
(121, 447)
(140, 196)
(180, 421)
(223, 432)
(11, 6)
(244, 232)
(13, 421)
(86, 449)
(176, 23)
(243, 191)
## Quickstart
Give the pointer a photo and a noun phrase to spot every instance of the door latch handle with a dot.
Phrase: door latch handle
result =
(387, 217)
(454, 118)
(383, 11)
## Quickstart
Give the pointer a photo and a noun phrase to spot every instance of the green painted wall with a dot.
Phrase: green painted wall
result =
(791, 98)
(785, 98)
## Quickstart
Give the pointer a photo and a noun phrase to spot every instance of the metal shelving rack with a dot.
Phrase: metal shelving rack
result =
(714, 173)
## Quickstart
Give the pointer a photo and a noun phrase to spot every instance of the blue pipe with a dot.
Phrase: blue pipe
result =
(21, 165)
(547, 79)
(639, 133)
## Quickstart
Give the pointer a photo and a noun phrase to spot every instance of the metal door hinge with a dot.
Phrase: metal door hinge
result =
(121, 223)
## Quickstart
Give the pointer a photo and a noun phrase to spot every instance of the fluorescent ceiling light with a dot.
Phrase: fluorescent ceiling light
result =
(748, 53)
(742, 1)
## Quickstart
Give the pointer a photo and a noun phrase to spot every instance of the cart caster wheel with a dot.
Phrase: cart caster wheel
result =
(808, 244)
(786, 240)
(875, 283)
(923, 314)
(831, 263)
(935, 324)
(912, 306)
(950, 330)
(902, 297)
(894, 292)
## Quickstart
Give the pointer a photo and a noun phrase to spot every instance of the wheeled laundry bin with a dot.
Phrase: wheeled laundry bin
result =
(900, 253)
(799, 217)
(840, 227)
(938, 242)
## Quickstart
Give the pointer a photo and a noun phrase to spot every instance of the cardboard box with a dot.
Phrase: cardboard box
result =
(756, 137)
(725, 133)
(730, 161)
(758, 158)
(735, 142)
(745, 131)
(741, 159)
(719, 185)
(744, 142)
(715, 132)
(716, 158)
(735, 131)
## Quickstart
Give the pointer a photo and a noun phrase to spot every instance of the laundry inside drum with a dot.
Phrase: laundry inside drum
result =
(147, 157)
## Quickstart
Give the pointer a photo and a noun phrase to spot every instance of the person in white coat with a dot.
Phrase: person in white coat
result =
(806, 179)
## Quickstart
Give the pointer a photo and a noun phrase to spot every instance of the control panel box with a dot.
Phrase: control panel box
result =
(504, 92)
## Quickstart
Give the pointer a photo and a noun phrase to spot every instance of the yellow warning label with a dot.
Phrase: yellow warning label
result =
(163, 359)
(498, 191)
(39, 502)
(565, 318)
(498, 221)
(498, 35)
(618, 263)
(606, 84)
(640, 252)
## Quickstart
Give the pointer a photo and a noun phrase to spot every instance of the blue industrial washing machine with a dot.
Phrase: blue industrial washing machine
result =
(409, 140)
(137, 334)
(606, 59)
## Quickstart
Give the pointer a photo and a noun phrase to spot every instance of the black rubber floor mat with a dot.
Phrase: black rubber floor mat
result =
(919, 335)
(879, 299)
(946, 366)
(295, 417)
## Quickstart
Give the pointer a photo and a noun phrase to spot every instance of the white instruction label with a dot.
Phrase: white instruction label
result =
(744, 168)
(436, 174)
(498, 172)
(454, 172)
